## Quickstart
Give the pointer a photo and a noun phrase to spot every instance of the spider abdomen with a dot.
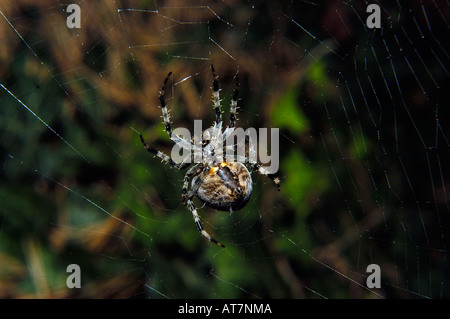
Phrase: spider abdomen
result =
(226, 186)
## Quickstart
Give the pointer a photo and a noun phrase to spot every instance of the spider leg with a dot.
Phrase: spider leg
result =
(263, 171)
(195, 186)
(162, 156)
(166, 118)
(234, 101)
(187, 199)
(162, 101)
(197, 221)
(193, 171)
(216, 97)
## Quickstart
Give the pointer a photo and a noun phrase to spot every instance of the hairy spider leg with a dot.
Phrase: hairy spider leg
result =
(192, 172)
(197, 221)
(187, 199)
(174, 137)
(162, 101)
(162, 156)
(234, 101)
(263, 171)
(216, 97)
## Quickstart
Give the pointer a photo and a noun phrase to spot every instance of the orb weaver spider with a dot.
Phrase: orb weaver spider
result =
(223, 185)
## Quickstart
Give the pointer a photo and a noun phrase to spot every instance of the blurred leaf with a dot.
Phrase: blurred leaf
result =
(302, 180)
(287, 113)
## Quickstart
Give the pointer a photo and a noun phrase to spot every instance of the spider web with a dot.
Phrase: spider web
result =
(363, 148)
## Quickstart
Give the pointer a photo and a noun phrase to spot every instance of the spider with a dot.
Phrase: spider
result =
(222, 185)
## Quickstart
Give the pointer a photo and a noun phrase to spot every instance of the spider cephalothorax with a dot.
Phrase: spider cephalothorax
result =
(221, 184)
